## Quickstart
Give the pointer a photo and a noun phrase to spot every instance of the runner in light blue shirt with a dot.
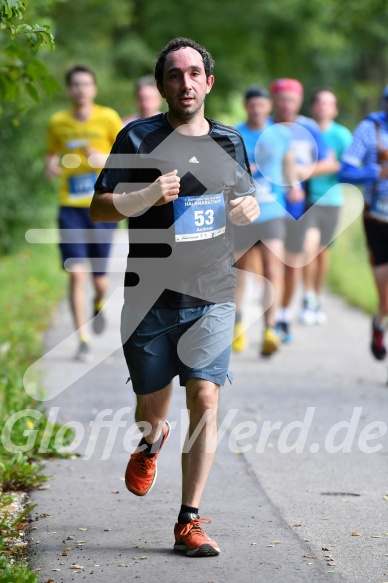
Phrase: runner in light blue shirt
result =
(312, 159)
(325, 197)
(269, 155)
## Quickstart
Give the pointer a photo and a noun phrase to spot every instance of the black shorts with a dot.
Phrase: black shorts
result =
(82, 239)
(377, 239)
(325, 219)
(255, 233)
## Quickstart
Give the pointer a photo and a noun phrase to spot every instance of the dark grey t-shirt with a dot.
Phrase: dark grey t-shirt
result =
(191, 264)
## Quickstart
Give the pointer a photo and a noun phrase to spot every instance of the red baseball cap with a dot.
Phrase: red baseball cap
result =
(286, 84)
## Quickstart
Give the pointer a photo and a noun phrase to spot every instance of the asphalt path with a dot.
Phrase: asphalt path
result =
(295, 493)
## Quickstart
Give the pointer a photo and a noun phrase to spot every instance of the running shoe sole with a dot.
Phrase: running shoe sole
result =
(202, 551)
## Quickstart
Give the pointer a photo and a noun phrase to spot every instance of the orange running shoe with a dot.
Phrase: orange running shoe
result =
(192, 539)
(141, 471)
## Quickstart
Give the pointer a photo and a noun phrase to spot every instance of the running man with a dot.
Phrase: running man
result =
(324, 212)
(366, 162)
(200, 316)
(73, 135)
(270, 157)
(148, 99)
(311, 157)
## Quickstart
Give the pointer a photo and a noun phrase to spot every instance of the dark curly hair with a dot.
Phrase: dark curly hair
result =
(181, 43)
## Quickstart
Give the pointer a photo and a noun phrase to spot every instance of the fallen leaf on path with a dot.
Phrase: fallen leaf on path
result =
(106, 529)
(115, 492)
(309, 557)
(269, 545)
(356, 534)
(45, 487)
(385, 497)
(77, 567)
(121, 565)
(297, 524)
(70, 537)
(64, 554)
(375, 536)
(83, 529)
(277, 542)
(139, 558)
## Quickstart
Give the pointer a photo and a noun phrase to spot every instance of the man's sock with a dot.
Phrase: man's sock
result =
(287, 315)
(151, 448)
(187, 514)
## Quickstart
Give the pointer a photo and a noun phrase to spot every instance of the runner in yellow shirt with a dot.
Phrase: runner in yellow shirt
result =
(74, 135)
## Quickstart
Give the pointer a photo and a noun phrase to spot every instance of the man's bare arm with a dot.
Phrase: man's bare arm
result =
(111, 208)
(52, 167)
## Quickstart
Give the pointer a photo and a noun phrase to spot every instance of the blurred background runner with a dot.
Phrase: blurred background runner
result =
(325, 198)
(74, 135)
(312, 159)
(366, 162)
(270, 156)
(148, 99)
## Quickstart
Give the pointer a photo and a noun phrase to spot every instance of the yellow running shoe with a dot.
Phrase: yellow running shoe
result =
(270, 342)
(239, 341)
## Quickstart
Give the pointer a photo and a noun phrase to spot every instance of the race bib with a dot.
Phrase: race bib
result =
(82, 185)
(263, 191)
(199, 217)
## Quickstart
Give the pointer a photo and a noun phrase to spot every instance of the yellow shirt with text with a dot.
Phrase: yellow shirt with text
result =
(69, 138)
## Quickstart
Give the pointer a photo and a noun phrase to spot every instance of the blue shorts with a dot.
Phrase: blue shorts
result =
(79, 246)
(189, 342)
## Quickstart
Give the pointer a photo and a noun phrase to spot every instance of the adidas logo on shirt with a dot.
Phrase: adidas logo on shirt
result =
(194, 160)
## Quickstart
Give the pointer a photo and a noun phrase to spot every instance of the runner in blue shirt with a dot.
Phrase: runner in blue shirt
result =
(312, 159)
(269, 155)
(366, 162)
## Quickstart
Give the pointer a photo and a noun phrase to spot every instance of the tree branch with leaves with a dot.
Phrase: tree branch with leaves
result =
(22, 73)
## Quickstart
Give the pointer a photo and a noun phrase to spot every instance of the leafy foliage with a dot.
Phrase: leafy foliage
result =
(22, 74)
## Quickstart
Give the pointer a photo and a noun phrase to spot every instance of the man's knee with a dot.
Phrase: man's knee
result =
(202, 397)
(77, 274)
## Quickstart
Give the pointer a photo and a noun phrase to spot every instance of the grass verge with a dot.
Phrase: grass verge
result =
(33, 283)
(350, 274)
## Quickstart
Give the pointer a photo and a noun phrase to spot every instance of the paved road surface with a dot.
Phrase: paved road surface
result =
(278, 516)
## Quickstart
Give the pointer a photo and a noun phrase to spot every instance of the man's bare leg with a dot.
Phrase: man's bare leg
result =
(197, 460)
